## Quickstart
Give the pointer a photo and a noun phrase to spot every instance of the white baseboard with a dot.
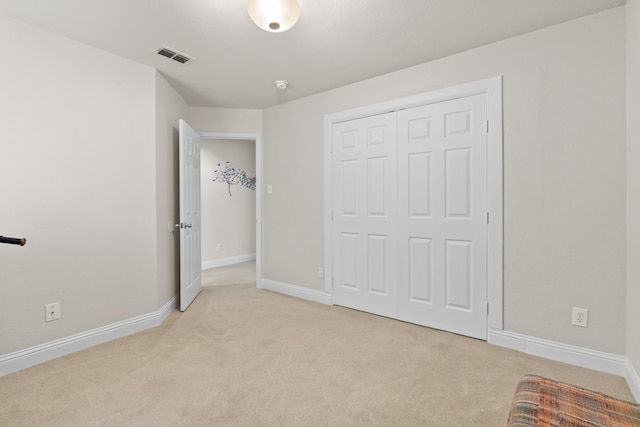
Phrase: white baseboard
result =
(571, 354)
(228, 261)
(633, 380)
(32, 356)
(297, 291)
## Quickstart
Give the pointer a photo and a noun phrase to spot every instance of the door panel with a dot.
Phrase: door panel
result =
(349, 260)
(419, 181)
(457, 183)
(377, 253)
(420, 270)
(442, 201)
(365, 219)
(458, 274)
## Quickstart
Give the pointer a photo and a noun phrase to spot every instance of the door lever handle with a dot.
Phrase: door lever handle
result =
(183, 225)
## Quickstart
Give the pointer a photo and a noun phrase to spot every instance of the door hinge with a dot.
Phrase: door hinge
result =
(487, 217)
(331, 215)
(332, 283)
(486, 126)
(487, 308)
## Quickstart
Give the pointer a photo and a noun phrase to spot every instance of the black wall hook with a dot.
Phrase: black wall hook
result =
(13, 241)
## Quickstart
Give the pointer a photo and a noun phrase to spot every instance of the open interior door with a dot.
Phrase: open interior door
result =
(189, 225)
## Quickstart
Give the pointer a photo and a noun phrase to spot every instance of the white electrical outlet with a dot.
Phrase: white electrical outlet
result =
(52, 312)
(320, 272)
(219, 247)
(580, 317)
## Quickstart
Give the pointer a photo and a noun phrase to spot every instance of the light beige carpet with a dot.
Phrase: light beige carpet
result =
(246, 357)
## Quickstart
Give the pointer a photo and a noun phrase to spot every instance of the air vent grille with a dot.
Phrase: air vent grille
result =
(175, 55)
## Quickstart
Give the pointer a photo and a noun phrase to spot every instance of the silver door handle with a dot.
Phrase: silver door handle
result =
(183, 225)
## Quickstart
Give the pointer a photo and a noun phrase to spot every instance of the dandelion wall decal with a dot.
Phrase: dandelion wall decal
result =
(231, 175)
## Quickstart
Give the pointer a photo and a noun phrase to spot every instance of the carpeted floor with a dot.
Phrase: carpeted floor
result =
(240, 356)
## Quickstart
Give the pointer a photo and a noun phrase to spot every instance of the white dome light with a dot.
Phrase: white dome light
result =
(274, 16)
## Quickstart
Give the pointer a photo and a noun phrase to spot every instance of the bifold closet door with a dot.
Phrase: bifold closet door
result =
(410, 215)
(442, 230)
(365, 214)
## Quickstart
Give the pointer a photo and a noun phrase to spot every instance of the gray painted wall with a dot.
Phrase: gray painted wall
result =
(79, 182)
(633, 183)
(229, 221)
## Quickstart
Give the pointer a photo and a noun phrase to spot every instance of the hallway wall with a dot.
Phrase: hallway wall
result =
(228, 220)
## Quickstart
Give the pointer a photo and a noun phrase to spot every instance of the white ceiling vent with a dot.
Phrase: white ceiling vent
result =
(173, 54)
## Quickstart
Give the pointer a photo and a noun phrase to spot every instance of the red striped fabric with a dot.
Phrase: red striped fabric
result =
(542, 402)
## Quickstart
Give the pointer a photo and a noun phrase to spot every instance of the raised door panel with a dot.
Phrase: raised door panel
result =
(348, 255)
(376, 262)
(458, 277)
(457, 183)
(377, 197)
(349, 178)
(420, 278)
(419, 177)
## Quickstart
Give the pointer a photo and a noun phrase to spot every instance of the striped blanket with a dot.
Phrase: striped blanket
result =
(542, 402)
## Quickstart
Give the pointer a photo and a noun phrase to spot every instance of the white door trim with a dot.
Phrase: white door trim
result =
(492, 87)
(258, 140)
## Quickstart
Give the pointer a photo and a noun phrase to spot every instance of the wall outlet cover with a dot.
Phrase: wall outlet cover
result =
(52, 312)
(580, 317)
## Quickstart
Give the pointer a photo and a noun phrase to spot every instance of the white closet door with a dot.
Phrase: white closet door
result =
(442, 228)
(365, 214)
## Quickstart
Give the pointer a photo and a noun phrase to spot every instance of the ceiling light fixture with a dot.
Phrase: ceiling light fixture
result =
(274, 16)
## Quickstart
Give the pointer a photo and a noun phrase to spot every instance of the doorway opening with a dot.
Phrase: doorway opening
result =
(216, 253)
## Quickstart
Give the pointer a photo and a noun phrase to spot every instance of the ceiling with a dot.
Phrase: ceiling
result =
(334, 43)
